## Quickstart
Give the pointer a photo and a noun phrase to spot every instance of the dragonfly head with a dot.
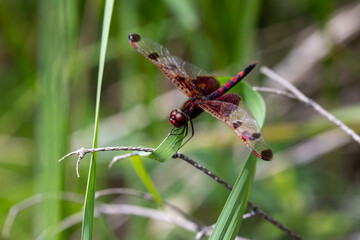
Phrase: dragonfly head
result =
(178, 118)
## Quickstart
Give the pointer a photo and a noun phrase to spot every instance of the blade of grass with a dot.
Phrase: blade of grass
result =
(89, 205)
(145, 178)
(231, 216)
(52, 116)
(244, 44)
(169, 146)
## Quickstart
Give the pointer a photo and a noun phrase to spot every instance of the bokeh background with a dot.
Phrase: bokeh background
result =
(48, 69)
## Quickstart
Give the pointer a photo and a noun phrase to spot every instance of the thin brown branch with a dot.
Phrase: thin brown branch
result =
(275, 91)
(82, 152)
(301, 97)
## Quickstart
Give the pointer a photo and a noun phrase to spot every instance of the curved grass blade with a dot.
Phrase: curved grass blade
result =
(89, 205)
(169, 146)
(145, 178)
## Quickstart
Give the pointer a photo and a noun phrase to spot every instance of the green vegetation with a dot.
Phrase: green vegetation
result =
(51, 77)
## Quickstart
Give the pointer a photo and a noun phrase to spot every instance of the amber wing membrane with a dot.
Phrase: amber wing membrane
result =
(241, 120)
(190, 79)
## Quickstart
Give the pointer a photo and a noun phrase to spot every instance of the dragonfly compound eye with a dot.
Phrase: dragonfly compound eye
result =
(177, 118)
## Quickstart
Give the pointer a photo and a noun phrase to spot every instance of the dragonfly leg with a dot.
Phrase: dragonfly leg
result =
(174, 129)
(186, 133)
(192, 134)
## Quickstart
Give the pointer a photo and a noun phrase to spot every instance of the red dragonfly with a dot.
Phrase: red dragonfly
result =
(205, 94)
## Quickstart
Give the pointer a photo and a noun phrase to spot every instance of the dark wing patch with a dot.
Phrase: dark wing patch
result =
(206, 84)
(237, 124)
(153, 56)
(171, 67)
(233, 98)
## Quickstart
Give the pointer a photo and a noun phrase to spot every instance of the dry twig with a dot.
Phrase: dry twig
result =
(301, 97)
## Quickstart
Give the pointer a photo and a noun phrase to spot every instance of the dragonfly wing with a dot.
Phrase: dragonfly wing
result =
(190, 79)
(241, 120)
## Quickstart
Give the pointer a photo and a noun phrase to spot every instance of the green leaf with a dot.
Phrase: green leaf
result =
(169, 146)
(55, 27)
(89, 205)
(231, 216)
(145, 178)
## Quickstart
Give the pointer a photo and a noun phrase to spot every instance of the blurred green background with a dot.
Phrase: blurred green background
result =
(48, 68)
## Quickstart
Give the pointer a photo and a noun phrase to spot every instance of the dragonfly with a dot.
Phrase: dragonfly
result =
(205, 94)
